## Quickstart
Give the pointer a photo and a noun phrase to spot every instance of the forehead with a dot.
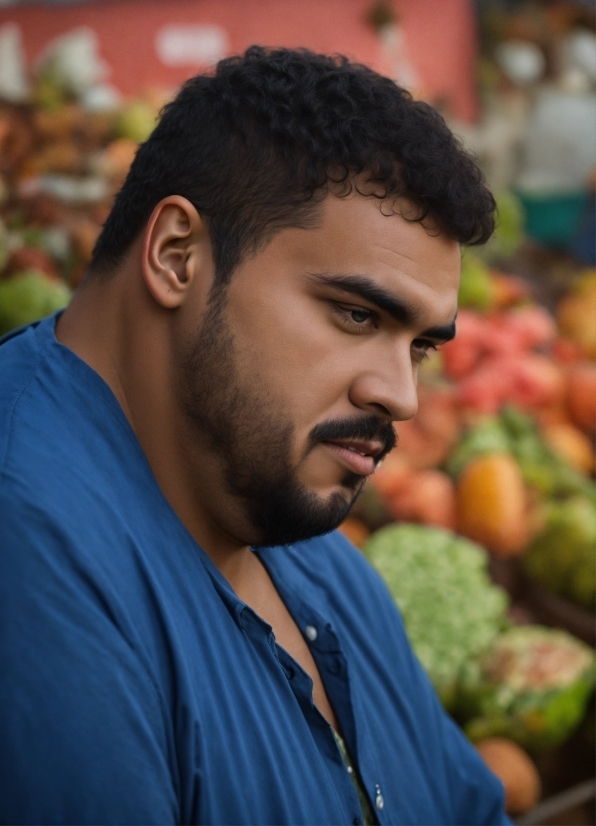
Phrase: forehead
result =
(362, 235)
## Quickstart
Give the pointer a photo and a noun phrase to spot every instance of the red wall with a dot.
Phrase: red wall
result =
(439, 34)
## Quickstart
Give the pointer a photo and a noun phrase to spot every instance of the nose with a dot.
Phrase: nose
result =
(387, 391)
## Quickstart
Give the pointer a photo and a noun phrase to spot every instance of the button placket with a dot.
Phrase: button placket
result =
(334, 665)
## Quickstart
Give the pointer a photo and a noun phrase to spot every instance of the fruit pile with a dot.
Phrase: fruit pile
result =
(65, 148)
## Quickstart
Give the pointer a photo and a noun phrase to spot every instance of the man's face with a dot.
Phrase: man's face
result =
(304, 361)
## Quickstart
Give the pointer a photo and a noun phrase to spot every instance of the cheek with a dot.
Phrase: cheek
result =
(297, 356)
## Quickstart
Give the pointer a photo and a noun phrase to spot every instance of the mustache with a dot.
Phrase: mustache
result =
(365, 428)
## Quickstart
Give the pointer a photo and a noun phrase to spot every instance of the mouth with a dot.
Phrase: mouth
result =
(357, 455)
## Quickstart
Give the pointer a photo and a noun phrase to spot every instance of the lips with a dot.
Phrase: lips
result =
(358, 456)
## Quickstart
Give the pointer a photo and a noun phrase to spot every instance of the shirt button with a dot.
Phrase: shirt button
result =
(289, 672)
(357, 821)
(311, 633)
(379, 802)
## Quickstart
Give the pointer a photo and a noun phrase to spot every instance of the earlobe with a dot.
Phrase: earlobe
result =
(171, 248)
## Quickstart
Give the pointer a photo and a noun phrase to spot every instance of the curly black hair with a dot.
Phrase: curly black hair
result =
(258, 144)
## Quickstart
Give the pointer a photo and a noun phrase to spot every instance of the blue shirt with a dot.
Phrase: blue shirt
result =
(137, 688)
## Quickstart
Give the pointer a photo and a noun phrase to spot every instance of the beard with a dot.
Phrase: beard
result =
(253, 435)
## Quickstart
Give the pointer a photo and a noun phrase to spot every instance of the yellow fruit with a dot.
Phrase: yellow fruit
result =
(570, 444)
(492, 505)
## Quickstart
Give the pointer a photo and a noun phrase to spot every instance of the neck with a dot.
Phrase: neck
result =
(121, 333)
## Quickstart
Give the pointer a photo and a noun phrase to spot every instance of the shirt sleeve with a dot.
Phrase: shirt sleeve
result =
(83, 733)
(477, 794)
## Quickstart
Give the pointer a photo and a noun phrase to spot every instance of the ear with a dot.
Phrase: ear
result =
(173, 250)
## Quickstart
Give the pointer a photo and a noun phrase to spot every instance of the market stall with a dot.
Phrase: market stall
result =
(483, 520)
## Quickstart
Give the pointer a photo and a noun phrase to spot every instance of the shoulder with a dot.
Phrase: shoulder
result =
(19, 359)
(62, 435)
(36, 408)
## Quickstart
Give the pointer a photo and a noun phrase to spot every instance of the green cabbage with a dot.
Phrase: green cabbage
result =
(451, 609)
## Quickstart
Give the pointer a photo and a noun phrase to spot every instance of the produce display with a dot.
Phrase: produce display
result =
(65, 148)
(561, 555)
(527, 683)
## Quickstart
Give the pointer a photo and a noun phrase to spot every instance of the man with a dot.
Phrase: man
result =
(183, 639)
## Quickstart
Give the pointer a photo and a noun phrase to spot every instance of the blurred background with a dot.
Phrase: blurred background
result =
(483, 521)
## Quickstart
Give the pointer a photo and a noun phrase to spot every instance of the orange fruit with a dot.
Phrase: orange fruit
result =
(581, 395)
(570, 444)
(515, 770)
(491, 504)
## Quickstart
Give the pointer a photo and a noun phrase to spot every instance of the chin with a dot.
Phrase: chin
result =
(303, 517)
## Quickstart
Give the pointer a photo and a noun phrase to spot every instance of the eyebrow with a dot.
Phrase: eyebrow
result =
(399, 310)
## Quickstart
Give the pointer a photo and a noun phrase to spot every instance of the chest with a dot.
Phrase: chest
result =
(251, 745)
(268, 604)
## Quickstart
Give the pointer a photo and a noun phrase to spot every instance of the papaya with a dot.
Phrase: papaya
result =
(491, 504)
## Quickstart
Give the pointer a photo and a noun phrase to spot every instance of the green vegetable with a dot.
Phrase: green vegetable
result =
(509, 232)
(562, 557)
(487, 436)
(136, 121)
(451, 610)
(475, 288)
(541, 467)
(48, 92)
(532, 685)
(28, 297)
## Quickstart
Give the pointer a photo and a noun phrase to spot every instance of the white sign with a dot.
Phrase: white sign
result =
(179, 45)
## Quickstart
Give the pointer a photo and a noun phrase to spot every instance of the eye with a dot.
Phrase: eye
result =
(360, 316)
(421, 348)
(357, 319)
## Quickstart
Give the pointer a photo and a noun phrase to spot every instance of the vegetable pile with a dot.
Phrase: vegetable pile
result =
(529, 684)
